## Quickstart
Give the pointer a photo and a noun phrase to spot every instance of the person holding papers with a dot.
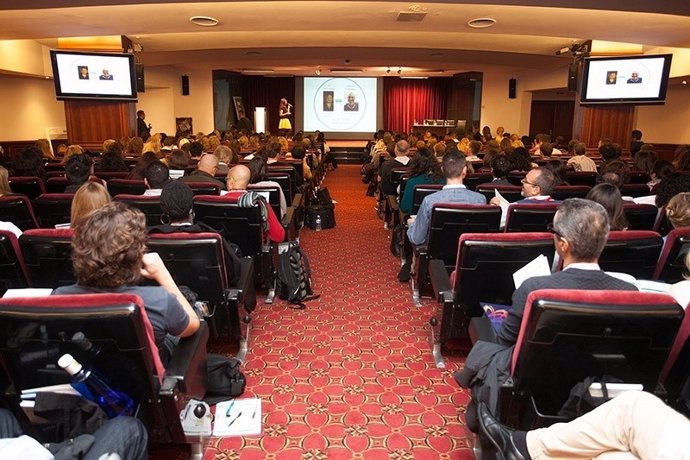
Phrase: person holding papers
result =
(580, 230)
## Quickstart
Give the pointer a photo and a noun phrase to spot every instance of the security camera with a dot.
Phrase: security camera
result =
(347, 61)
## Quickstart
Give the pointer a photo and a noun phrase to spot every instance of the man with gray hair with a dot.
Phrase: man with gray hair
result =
(580, 231)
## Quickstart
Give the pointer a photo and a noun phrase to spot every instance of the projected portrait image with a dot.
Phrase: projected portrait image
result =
(83, 72)
(352, 105)
(611, 77)
(328, 101)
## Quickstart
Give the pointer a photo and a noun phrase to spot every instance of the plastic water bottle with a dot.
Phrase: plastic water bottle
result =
(95, 388)
(318, 223)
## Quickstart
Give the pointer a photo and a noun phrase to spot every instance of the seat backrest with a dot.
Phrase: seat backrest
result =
(27, 185)
(204, 188)
(671, 265)
(486, 262)
(18, 210)
(294, 170)
(640, 216)
(638, 177)
(149, 205)
(662, 225)
(473, 179)
(526, 217)
(270, 192)
(37, 331)
(512, 193)
(242, 226)
(53, 208)
(563, 192)
(675, 376)
(635, 190)
(126, 187)
(13, 272)
(56, 184)
(283, 179)
(569, 335)
(450, 220)
(515, 177)
(634, 252)
(107, 175)
(47, 255)
(588, 178)
(420, 192)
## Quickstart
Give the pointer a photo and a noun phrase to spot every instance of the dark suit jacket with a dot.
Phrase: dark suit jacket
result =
(201, 176)
(386, 173)
(573, 278)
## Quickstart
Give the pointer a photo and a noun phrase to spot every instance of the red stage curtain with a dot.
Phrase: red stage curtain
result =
(405, 101)
(267, 92)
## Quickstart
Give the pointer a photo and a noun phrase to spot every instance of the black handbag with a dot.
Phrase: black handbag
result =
(225, 379)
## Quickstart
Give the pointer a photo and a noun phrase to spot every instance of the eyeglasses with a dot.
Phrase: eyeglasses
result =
(525, 181)
(551, 229)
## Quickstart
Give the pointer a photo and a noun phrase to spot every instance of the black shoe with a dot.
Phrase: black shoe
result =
(404, 273)
(500, 436)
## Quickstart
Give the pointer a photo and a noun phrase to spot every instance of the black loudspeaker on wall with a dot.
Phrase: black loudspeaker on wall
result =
(141, 87)
(572, 77)
(185, 85)
(512, 87)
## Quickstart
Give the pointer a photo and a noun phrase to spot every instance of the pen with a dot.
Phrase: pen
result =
(227, 412)
(256, 406)
(236, 417)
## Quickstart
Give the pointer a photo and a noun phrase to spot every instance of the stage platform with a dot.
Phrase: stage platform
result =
(348, 151)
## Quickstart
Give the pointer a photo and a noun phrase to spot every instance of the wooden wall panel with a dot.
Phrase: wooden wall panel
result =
(89, 123)
(612, 121)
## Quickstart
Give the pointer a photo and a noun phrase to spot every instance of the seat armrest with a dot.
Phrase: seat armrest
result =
(297, 200)
(286, 221)
(440, 281)
(393, 203)
(480, 328)
(187, 367)
(245, 293)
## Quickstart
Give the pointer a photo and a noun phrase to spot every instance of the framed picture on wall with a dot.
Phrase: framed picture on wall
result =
(184, 126)
(239, 106)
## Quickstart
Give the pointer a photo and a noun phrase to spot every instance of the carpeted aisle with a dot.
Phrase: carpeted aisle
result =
(351, 376)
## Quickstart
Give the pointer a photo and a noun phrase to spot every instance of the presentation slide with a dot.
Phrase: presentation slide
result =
(340, 105)
(97, 75)
(625, 78)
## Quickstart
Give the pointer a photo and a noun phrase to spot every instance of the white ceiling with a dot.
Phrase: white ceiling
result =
(298, 37)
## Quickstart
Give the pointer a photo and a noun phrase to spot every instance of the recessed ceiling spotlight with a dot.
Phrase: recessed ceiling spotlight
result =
(685, 82)
(481, 23)
(399, 70)
(318, 72)
(204, 21)
(388, 72)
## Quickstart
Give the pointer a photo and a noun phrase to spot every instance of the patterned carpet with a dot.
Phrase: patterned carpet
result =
(351, 376)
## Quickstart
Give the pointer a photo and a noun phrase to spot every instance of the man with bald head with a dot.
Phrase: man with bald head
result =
(237, 181)
(205, 172)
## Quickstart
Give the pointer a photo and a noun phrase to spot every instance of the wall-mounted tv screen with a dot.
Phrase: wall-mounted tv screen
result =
(80, 75)
(626, 80)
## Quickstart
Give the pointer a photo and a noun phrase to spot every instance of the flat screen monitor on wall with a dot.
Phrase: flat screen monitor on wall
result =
(340, 105)
(80, 75)
(626, 80)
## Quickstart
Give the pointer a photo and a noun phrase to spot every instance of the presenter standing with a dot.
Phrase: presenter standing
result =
(284, 113)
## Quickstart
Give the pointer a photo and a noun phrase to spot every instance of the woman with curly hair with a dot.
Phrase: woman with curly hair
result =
(109, 255)
(424, 169)
(520, 160)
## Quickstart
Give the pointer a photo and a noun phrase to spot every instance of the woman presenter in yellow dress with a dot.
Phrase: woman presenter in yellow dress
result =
(284, 113)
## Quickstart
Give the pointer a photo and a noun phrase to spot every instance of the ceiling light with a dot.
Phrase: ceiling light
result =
(399, 70)
(318, 72)
(388, 72)
(481, 23)
(204, 21)
(685, 82)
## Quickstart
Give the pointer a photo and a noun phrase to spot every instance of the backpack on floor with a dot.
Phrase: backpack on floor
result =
(294, 277)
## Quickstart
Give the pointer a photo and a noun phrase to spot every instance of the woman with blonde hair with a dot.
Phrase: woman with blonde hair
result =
(89, 197)
(4, 182)
(73, 149)
(135, 147)
(678, 210)
(44, 146)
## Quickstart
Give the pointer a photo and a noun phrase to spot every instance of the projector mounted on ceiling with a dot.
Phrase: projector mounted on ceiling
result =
(415, 13)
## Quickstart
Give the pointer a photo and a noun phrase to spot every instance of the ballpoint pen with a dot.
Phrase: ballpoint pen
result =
(227, 412)
(236, 417)
(256, 406)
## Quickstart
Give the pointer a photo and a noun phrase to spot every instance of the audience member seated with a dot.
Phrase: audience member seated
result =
(111, 160)
(682, 158)
(386, 171)
(454, 169)
(237, 182)
(121, 438)
(580, 161)
(609, 151)
(109, 255)
(580, 230)
(633, 425)
(670, 186)
(89, 197)
(259, 173)
(4, 182)
(500, 167)
(224, 155)
(135, 147)
(659, 170)
(137, 172)
(178, 163)
(559, 170)
(615, 172)
(424, 169)
(156, 175)
(609, 197)
(177, 204)
(300, 153)
(520, 160)
(29, 163)
(644, 161)
(205, 171)
(78, 169)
